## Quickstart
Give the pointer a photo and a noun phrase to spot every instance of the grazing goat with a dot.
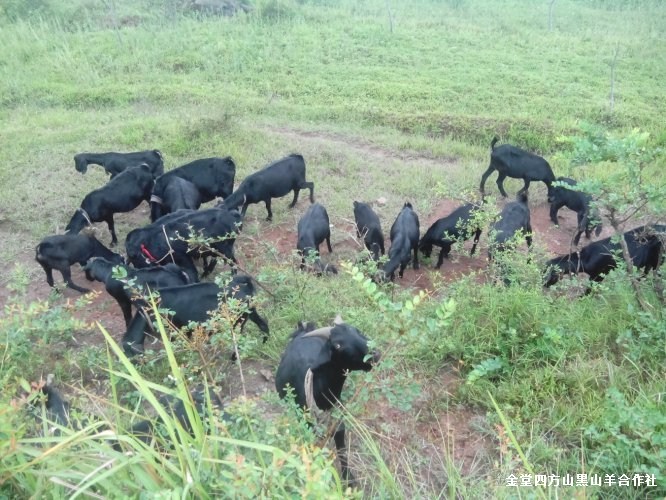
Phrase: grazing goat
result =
(122, 193)
(211, 177)
(151, 278)
(515, 216)
(145, 429)
(369, 228)
(178, 194)
(114, 163)
(579, 202)
(510, 161)
(645, 243)
(62, 250)
(313, 229)
(194, 303)
(272, 181)
(447, 230)
(404, 240)
(315, 364)
(163, 240)
(58, 411)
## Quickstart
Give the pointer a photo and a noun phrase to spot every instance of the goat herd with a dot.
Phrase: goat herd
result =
(161, 259)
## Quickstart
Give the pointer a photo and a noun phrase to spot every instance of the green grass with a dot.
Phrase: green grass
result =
(404, 115)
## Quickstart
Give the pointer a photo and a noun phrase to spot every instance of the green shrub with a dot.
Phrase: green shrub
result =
(630, 438)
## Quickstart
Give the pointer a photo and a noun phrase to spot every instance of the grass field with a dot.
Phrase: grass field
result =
(384, 99)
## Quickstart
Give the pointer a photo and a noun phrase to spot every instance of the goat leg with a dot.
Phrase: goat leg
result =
(67, 278)
(500, 184)
(484, 178)
(112, 229)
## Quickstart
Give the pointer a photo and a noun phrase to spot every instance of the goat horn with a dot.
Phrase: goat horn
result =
(323, 333)
(338, 320)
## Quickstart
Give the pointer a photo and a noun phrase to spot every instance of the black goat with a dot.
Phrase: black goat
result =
(145, 429)
(369, 228)
(149, 278)
(272, 181)
(510, 161)
(579, 202)
(404, 240)
(515, 216)
(122, 193)
(315, 364)
(178, 194)
(447, 230)
(193, 303)
(211, 177)
(58, 411)
(62, 250)
(114, 163)
(162, 241)
(645, 243)
(313, 229)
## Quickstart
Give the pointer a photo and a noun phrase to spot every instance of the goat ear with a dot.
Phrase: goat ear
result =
(323, 357)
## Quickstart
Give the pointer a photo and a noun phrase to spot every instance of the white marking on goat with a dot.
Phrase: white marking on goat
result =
(156, 199)
(85, 215)
(309, 391)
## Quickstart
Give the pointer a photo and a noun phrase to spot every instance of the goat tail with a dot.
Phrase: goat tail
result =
(493, 142)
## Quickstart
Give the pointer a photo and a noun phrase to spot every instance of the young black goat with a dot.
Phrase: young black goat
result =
(193, 303)
(447, 230)
(515, 216)
(114, 163)
(61, 251)
(272, 181)
(313, 229)
(315, 364)
(369, 228)
(510, 161)
(211, 176)
(151, 278)
(645, 243)
(579, 202)
(404, 240)
(122, 193)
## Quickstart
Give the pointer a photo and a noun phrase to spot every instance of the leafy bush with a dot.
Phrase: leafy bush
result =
(630, 438)
(597, 145)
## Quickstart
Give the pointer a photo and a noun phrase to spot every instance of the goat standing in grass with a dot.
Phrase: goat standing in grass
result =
(61, 251)
(510, 161)
(123, 193)
(114, 163)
